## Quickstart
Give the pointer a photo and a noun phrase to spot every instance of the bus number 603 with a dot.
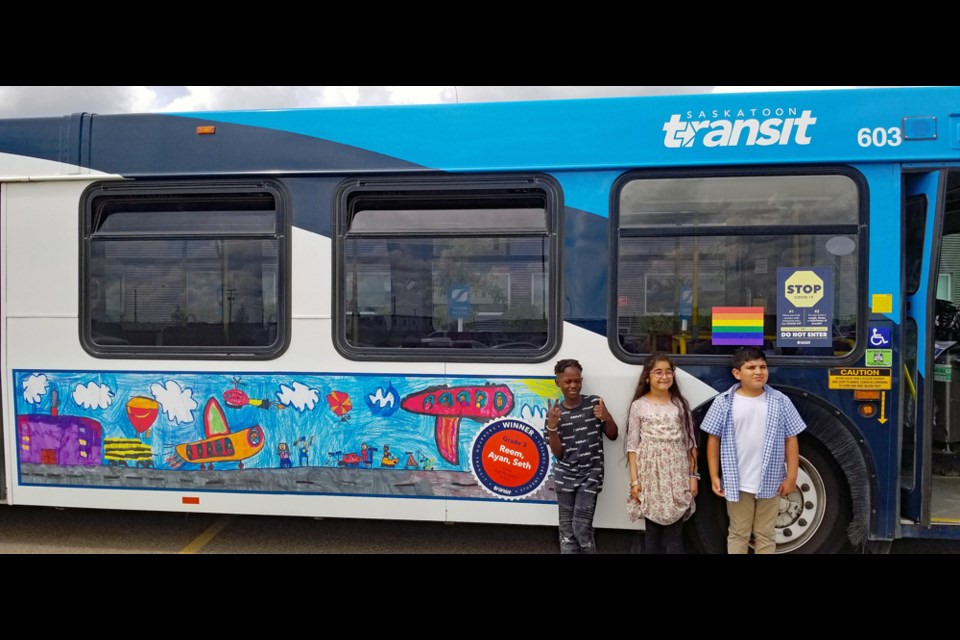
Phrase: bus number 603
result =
(879, 137)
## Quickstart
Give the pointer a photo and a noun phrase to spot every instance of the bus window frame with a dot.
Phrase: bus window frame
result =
(147, 187)
(860, 229)
(409, 187)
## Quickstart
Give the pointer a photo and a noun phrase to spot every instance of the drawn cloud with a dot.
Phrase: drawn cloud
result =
(35, 387)
(300, 396)
(176, 402)
(93, 395)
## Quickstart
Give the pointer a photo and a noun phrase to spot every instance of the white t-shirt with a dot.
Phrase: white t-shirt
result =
(749, 429)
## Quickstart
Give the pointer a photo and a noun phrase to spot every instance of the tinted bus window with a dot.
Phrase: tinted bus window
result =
(191, 272)
(693, 252)
(462, 273)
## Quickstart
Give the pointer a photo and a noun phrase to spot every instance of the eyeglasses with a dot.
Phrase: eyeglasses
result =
(662, 373)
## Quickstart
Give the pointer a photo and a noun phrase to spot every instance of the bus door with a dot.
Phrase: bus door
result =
(931, 359)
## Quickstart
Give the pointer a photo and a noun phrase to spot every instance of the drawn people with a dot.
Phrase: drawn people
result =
(366, 456)
(304, 447)
(388, 459)
(283, 450)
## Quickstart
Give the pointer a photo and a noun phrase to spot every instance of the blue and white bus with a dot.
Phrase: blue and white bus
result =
(354, 312)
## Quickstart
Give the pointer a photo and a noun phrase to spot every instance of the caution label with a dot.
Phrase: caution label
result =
(861, 378)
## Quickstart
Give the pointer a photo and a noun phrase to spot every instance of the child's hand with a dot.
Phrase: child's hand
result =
(694, 486)
(553, 414)
(600, 411)
(787, 487)
(717, 487)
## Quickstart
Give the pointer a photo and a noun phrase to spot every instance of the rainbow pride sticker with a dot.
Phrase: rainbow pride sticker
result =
(738, 326)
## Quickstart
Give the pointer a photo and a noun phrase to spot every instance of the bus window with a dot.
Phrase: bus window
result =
(452, 273)
(183, 271)
(691, 249)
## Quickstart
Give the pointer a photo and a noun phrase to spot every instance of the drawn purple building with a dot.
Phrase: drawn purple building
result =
(59, 440)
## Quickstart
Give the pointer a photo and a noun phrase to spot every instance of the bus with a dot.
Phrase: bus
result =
(354, 312)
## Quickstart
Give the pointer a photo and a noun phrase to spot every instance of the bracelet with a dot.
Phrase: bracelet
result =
(552, 430)
(695, 475)
(635, 483)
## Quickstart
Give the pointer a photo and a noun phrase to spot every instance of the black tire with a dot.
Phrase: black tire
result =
(830, 535)
(816, 522)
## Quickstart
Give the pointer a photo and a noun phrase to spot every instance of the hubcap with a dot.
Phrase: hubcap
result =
(801, 511)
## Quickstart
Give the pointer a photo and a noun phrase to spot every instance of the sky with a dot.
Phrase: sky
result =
(37, 101)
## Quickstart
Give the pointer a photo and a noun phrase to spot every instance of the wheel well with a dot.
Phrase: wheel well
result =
(830, 429)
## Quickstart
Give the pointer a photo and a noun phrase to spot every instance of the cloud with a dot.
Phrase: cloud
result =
(34, 388)
(300, 396)
(751, 89)
(34, 101)
(176, 402)
(93, 396)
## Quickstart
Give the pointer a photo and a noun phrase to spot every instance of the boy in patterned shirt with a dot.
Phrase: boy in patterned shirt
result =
(752, 443)
(575, 429)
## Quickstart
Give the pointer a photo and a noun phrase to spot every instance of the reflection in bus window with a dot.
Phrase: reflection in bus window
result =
(185, 273)
(467, 272)
(689, 245)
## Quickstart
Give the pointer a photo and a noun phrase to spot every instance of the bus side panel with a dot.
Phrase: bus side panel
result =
(304, 434)
(4, 467)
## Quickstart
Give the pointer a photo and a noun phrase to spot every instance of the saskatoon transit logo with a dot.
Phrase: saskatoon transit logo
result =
(739, 127)
(510, 458)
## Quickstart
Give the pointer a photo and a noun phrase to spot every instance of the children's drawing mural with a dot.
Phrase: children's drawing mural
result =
(300, 433)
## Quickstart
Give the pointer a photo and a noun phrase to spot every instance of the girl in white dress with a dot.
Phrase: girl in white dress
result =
(662, 456)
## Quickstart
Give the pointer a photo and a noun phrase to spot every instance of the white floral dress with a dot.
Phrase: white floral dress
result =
(655, 434)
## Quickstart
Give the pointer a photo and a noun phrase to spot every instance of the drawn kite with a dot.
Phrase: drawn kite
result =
(340, 404)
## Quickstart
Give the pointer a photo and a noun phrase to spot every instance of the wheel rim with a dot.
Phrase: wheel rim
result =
(801, 511)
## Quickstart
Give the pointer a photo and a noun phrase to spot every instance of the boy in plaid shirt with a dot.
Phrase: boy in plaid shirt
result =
(752, 452)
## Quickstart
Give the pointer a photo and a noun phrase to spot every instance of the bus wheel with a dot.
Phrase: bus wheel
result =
(814, 517)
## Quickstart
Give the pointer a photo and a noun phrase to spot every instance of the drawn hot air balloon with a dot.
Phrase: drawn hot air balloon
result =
(451, 404)
(142, 413)
(340, 404)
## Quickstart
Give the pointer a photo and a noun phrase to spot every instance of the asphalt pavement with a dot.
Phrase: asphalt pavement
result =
(47, 530)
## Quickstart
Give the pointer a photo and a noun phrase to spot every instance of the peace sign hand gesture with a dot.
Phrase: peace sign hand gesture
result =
(553, 414)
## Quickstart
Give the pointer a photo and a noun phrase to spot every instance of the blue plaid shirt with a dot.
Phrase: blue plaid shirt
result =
(783, 421)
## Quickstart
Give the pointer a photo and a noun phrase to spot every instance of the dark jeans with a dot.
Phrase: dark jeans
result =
(576, 521)
(660, 538)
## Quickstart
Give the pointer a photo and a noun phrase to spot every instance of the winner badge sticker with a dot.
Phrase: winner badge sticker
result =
(510, 458)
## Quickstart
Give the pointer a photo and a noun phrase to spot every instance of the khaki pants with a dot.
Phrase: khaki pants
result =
(752, 516)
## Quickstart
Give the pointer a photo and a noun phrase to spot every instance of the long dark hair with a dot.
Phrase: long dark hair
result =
(676, 396)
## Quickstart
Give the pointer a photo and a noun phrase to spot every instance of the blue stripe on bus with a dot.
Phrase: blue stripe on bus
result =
(571, 134)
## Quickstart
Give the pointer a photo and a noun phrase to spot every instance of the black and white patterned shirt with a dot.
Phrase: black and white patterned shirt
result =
(581, 435)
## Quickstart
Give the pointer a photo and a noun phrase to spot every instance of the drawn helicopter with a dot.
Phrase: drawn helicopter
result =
(236, 398)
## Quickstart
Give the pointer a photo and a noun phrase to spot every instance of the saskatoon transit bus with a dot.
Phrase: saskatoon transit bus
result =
(355, 312)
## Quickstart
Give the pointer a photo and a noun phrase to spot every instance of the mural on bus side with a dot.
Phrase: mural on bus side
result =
(213, 422)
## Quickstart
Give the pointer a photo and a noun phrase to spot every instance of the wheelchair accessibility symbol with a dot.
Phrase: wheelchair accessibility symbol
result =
(879, 336)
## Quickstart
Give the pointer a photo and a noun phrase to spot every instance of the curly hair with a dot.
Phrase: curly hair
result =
(566, 363)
